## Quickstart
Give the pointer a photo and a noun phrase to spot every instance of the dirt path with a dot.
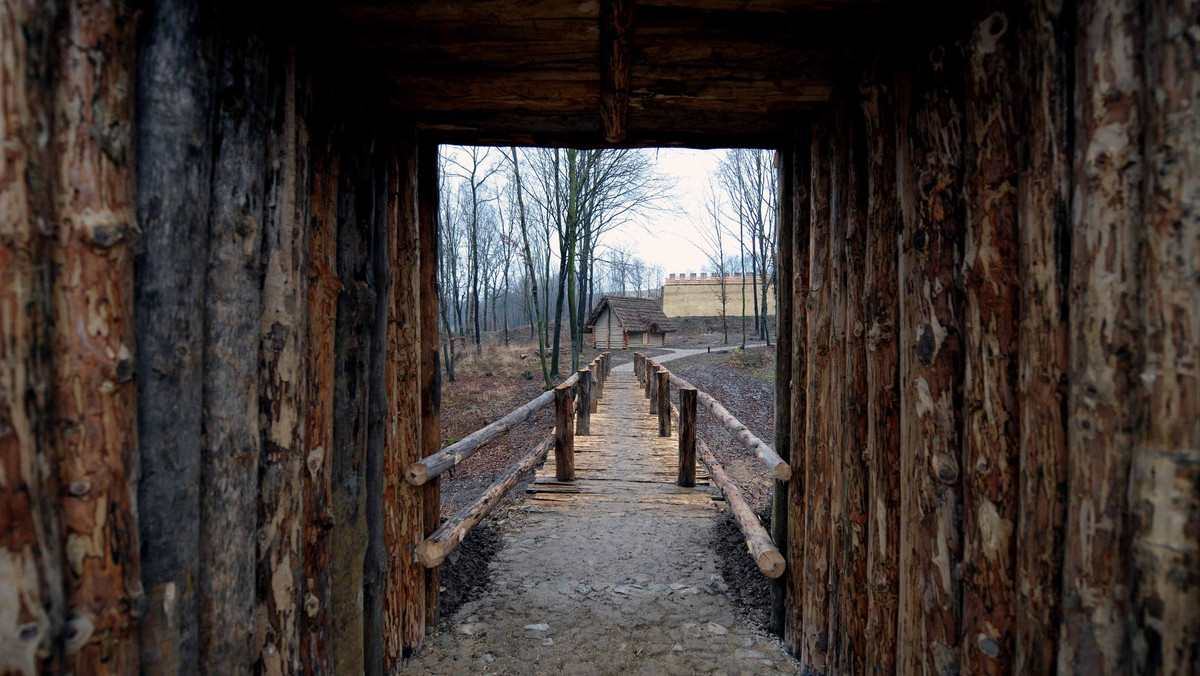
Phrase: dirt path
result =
(610, 574)
(680, 353)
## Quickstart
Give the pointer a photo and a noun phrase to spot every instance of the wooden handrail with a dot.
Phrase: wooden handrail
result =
(432, 466)
(765, 452)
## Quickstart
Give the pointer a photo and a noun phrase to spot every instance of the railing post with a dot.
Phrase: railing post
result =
(583, 417)
(664, 402)
(649, 369)
(637, 366)
(687, 437)
(598, 382)
(652, 389)
(564, 434)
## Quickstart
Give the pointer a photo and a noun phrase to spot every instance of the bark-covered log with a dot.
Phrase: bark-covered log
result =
(852, 593)
(652, 388)
(434, 549)
(32, 609)
(881, 317)
(583, 420)
(930, 140)
(564, 433)
(648, 369)
(282, 373)
(355, 314)
(1106, 217)
(92, 379)
(1043, 199)
(174, 142)
(664, 403)
(801, 217)
(990, 321)
(322, 300)
(427, 198)
(758, 541)
(814, 606)
(233, 303)
(761, 449)
(686, 476)
(404, 598)
(783, 376)
(1165, 484)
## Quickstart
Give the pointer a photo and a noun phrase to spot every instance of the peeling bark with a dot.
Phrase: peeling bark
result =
(430, 376)
(32, 607)
(783, 382)
(881, 317)
(1105, 218)
(93, 381)
(375, 565)
(930, 151)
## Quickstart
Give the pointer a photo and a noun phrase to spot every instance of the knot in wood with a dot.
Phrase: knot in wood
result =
(945, 467)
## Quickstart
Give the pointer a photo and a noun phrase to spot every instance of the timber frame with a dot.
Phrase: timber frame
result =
(218, 305)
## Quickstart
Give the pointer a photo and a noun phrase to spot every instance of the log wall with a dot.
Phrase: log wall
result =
(212, 294)
(1015, 323)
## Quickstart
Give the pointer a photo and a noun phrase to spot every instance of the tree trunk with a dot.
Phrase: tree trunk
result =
(33, 607)
(991, 314)
(1106, 219)
(174, 159)
(881, 317)
(783, 383)
(282, 373)
(930, 140)
(430, 375)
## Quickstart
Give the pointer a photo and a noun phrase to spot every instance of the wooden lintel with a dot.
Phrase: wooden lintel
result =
(616, 23)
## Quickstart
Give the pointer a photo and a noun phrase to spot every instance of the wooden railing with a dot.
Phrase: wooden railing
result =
(656, 380)
(567, 403)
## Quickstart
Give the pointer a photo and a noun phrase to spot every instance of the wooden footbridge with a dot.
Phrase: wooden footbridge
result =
(614, 439)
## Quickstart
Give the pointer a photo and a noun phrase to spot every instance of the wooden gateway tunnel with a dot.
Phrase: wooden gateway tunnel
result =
(218, 314)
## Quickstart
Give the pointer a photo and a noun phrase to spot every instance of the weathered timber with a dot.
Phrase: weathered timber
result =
(352, 341)
(32, 613)
(595, 386)
(801, 181)
(990, 319)
(652, 388)
(647, 369)
(832, 421)
(598, 383)
(637, 366)
(881, 317)
(687, 437)
(814, 631)
(761, 449)
(583, 420)
(1106, 218)
(616, 23)
(853, 599)
(434, 549)
(758, 541)
(233, 296)
(564, 433)
(93, 373)
(1043, 198)
(429, 467)
(174, 159)
(430, 377)
(323, 288)
(929, 146)
(1164, 489)
(282, 329)
(664, 402)
(783, 376)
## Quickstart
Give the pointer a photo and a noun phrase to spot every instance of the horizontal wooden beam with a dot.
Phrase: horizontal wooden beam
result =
(764, 451)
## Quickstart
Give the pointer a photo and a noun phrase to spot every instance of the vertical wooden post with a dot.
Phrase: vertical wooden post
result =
(652, 389)
(430, 379)
(881, 317)
(687, 437)
(1165, 482)
(637, 366)
(783, 379)
(598, 381)
(583, 421)
(930, 121)
(648, 369)
(564, 434)
(174, 159)
(664, 402)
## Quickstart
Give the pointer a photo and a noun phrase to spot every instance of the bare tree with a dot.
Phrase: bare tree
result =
(713, 247)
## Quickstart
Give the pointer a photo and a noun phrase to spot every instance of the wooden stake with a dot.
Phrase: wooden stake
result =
(687, 437)
(564, 433)
(652, 388)
(616, 24)
(583, 422)
(783, 377)
(761, 449)
(664, 403)
(430, 377)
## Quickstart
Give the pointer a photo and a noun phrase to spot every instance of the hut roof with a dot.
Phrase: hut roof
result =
(635, 314)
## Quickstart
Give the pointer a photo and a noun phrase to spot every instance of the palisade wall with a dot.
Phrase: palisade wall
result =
(212, 290)
(994, 419)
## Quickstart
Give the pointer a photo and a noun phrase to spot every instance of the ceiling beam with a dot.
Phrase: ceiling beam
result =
(616, 22)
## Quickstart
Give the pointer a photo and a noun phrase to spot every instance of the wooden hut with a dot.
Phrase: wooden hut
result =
(619, 321)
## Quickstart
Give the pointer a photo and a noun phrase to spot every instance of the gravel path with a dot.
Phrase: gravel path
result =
(671, 355)
(618, 578)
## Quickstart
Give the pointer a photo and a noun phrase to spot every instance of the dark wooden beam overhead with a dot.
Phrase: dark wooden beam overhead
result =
(616, 24)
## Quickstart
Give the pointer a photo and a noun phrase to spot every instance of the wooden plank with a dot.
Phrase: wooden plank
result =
(616, 20)
(991, 321)
(930, 140)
